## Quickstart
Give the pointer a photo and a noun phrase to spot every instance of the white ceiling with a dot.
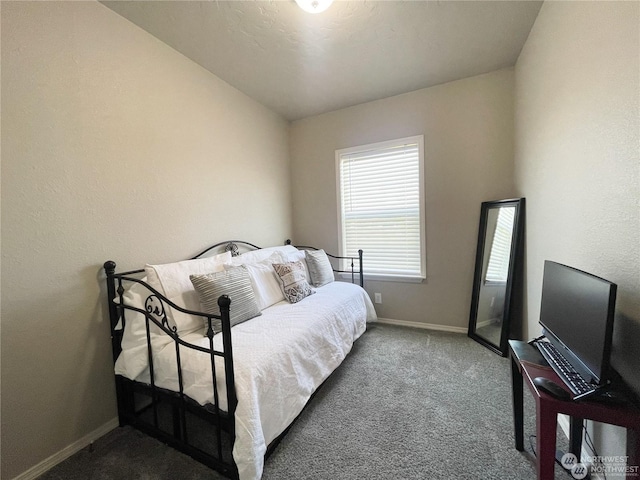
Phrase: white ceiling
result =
(299, 64)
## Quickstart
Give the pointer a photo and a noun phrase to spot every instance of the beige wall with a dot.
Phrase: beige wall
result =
(114, 147)
(468, 131)
(578, 156)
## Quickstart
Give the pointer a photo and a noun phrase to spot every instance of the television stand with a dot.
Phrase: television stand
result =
(526, 364)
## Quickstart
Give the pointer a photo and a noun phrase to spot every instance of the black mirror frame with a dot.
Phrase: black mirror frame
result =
(513, 276)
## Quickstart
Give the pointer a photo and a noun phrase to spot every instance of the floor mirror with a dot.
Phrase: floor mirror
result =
(497, 270)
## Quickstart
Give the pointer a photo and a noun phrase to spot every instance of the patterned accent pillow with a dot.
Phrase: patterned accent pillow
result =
(320, 268)
(233, 282)
(293, 280)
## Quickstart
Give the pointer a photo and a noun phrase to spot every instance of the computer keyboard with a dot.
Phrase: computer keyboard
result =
(576, 382)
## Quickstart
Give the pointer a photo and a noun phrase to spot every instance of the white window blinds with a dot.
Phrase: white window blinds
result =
(498, 268)
(380, 206)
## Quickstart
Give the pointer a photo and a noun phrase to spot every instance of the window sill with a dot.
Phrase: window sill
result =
(386, 278)
(493, 283)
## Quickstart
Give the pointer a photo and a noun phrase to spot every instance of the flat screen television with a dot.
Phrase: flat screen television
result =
(576, 315)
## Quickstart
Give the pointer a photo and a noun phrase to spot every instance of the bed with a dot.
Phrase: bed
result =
(218, 355)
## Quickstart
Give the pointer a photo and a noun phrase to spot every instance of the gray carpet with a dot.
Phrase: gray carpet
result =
(405, 404)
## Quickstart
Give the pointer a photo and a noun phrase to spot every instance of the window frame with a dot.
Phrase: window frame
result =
(419, 140)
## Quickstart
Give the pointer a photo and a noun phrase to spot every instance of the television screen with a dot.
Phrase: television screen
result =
(576, 312)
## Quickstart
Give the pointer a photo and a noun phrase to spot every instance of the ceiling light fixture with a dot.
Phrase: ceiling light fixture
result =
(314, 6)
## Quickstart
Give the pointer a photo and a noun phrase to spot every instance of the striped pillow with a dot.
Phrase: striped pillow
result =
(236, 284)
(320, 268)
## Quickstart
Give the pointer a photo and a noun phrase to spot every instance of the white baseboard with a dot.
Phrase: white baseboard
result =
(58, 457)
(485, 323)
(426, 326)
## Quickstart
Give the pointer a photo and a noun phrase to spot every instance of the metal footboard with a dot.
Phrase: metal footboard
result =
(167, 415)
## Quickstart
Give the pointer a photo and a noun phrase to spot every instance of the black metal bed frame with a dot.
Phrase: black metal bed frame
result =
(172, 416)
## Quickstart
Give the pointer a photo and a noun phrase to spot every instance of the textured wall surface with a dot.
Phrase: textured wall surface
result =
(302, 65)
(578, 158)
(114, 146)
(468, 134)
(117, 147)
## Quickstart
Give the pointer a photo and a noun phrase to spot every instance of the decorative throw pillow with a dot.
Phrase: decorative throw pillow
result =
(233, 282)
(293, 281)
(299, 255)
(320, 268)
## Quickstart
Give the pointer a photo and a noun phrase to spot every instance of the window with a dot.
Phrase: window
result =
(381, 207)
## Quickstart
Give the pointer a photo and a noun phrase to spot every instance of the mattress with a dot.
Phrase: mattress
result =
(280, 359)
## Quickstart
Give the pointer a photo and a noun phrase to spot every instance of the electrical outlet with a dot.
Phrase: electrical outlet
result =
(378, 297)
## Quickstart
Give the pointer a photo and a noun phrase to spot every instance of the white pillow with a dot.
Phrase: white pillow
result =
(255, 256)
(135, 331)
(172, 280)
(264, 281)
(133, 359)
(132, 362)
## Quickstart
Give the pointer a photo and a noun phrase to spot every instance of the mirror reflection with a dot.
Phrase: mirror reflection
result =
(491, 304)
(495, 269)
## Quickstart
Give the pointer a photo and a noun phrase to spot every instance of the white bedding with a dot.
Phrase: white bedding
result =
(280, 358)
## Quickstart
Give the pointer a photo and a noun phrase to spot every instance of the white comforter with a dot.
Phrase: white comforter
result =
(280, 358)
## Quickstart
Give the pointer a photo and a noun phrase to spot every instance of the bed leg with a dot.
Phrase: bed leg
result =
(116, 338)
